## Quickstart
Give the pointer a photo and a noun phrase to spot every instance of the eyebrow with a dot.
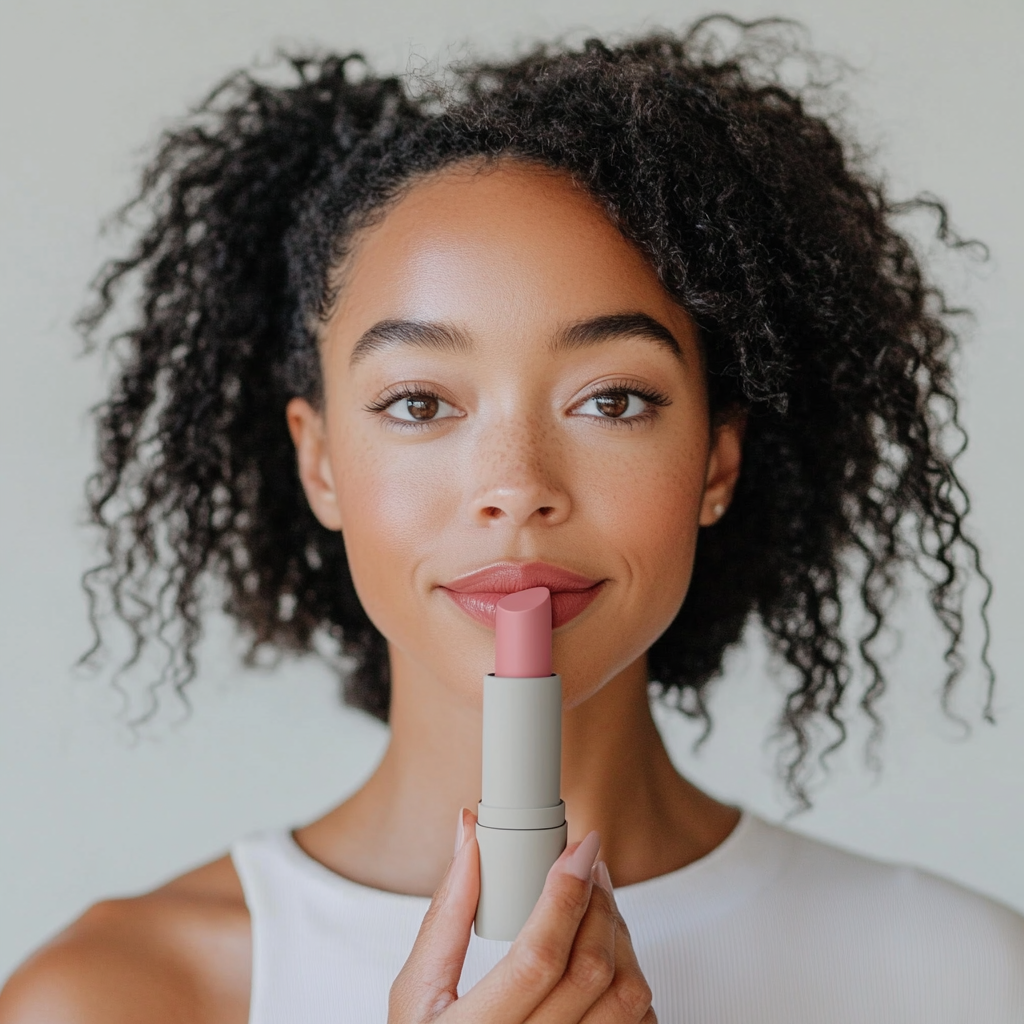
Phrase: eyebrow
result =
(616, 325)
(391, 333)
(445, 337)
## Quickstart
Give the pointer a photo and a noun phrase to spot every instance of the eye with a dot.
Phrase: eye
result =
(614, 405)
(420, 407)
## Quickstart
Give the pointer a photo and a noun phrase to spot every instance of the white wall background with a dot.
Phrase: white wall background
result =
(84, 811)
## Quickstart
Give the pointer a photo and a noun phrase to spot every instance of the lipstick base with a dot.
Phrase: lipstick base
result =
(514, 863)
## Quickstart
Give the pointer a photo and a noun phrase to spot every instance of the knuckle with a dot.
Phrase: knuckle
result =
(591, 970)
(567, 897)
(535, 966)
(434, 912)
(633, 995)
(599, 898)
(398, 1005)
(399, 988)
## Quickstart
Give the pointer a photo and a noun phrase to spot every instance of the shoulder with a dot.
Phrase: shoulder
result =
(817, 868)
(181, 952)
(904, 916)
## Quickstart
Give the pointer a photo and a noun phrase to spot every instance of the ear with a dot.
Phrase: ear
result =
(306, 426)
(724, 463)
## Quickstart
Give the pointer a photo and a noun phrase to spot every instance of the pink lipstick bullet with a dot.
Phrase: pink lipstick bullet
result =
(521, 828)
(522, 634)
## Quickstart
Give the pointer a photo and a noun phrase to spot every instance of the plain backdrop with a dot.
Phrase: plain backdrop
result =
(88, 811)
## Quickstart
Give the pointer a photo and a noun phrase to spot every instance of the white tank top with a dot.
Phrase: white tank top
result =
(769, 928)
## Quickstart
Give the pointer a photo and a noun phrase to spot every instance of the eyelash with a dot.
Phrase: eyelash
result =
(397, 394)
(625, 387)
(654, 399)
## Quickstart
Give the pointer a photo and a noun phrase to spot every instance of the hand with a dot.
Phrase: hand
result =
(573, 960)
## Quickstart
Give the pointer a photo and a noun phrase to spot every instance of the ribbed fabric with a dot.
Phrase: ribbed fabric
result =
(769, 928)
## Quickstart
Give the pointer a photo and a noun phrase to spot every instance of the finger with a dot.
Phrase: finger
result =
(428, 981)
(534, 965)
(591, 966)
(627, 1000)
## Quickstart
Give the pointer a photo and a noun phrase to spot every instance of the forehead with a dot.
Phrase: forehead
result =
(508, 240)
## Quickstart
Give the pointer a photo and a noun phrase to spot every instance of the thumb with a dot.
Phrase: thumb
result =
(428, 981)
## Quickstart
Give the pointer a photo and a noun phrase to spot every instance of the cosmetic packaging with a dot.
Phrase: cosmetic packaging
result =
(521, 828)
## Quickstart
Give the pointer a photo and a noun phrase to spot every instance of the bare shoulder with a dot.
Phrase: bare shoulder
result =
(181, 952)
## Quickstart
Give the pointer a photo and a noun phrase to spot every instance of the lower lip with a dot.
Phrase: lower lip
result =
(565, 604)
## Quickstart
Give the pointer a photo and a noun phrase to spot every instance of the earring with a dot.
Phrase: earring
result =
(719, 511)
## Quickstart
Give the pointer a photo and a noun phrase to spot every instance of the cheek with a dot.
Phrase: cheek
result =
(649, 504)
(392, 503)
(643, 512)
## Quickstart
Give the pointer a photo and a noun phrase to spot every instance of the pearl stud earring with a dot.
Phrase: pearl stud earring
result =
(719, 511)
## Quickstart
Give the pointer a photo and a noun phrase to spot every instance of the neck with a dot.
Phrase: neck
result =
(397, 831)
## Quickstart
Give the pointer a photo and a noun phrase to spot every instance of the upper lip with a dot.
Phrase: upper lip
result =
(509, 577)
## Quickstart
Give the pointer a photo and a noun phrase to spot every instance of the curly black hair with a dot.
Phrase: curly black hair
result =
(759, 217)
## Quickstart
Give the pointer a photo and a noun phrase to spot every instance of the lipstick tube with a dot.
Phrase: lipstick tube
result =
(521, 828)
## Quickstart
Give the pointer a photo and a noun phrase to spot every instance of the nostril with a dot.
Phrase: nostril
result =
(515, 513)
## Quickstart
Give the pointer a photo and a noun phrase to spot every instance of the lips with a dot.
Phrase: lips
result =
(478, 593)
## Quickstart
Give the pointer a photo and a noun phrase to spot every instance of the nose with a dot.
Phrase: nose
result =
(517, 480)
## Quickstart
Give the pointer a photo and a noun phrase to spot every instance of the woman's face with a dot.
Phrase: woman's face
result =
(508, 385)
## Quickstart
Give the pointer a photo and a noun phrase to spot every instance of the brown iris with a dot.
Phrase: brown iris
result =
(422, 407)
(614, 404)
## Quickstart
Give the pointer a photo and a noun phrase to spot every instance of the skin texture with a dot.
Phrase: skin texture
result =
(520, 465)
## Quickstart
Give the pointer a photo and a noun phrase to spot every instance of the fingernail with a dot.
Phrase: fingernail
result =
(602, 877)
(460, 831)
(581, 860)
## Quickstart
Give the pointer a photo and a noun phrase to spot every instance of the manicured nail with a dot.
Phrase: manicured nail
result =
(602, 877)
(460, 831)
(581, 860)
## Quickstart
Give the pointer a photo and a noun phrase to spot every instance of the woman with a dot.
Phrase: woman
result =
(630, 323)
